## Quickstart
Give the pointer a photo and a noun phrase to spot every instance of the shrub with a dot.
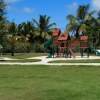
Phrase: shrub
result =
(38, 48)
(22, 48)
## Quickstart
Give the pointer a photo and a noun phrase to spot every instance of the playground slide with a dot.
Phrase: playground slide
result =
(47, 46)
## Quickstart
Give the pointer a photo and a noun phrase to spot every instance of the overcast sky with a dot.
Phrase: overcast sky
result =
(25, 10)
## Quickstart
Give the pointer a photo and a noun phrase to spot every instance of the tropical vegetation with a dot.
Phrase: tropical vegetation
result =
(30, 36)
(84, 23)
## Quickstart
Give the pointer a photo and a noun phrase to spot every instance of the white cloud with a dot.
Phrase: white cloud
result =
(22, 10)
(28, 10)
(72, 8)
(74, 5)
(96, 4)
(11, 8)
(11, 1)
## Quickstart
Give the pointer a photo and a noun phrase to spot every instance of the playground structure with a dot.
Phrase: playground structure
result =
(62, 45)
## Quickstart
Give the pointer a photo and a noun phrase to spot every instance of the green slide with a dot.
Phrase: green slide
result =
(49, 48)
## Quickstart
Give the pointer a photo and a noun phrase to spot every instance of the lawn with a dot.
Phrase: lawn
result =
(24, 55)
(76, 61)
(49, 82)
(21, 60)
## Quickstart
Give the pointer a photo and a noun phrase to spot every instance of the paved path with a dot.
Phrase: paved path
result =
(44, 61)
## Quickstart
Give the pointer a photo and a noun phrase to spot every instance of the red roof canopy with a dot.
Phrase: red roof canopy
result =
(63, 36)
(84, 38)
(56, 32)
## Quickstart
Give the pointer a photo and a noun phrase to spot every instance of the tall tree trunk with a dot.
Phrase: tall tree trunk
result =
(77, 32)
(12, 52)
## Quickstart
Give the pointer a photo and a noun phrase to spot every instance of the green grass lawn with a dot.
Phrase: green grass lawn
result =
(49, 83)
(24, 55)
(76, 61)
(21, 60)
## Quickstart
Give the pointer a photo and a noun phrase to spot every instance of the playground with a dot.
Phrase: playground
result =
(49, 50)
(62, 45)
(61, 48)
(66, 70)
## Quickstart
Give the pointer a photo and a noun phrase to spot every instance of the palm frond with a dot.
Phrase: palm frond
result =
(90, 15)
(83, 28)
(35, 22)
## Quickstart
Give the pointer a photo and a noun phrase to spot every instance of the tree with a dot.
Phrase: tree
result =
(93, 30)
(12, 37)
(43, 28)
(27, 30)
(2, 9)
(98, 14)
(2, 23)
(78, 25)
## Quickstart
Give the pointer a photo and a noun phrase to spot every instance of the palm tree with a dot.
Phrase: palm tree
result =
(12, 37)
(98, 14)
(93, 30)
(26, 30)
(43, 28)
(2, 22)
(2, 28)
(78, 25)
(2, 9)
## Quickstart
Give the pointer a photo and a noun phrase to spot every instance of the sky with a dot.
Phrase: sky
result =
(25, 10)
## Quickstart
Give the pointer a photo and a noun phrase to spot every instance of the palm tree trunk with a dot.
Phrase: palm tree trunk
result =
(12, 52)
(77, 32)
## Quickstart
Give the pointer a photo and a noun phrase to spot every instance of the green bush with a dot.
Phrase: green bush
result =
(25, 48)
(22, 47)
(38, 48)
(6, 48)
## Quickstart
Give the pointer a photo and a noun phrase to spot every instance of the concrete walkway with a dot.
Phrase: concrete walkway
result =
(44, 61)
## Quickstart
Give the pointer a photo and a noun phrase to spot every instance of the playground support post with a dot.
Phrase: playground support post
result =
(81, 51)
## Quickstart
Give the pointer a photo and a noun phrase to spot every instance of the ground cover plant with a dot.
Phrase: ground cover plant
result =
(49, 82)
(77, 61)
